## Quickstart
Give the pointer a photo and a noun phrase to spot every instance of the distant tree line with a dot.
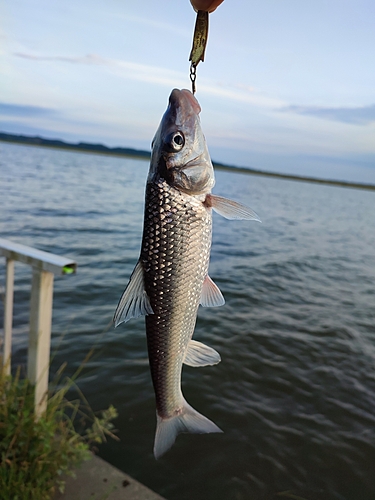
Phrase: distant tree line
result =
(81, 146)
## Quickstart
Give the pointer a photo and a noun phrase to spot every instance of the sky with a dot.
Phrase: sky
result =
(286, 86)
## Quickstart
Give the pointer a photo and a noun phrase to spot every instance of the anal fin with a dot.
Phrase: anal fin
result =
(198, 354)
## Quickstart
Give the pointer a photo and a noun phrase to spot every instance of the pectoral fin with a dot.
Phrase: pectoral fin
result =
(198, 354)
(211, 294)
(134, 301)
(230, 209)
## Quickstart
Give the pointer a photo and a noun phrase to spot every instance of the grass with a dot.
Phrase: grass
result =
(36, 454)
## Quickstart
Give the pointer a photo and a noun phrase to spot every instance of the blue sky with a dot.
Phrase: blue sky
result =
(287, 86)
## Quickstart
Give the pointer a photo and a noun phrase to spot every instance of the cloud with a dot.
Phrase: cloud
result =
(358, 116)
(129, 70)
(28, 111)
(166, 77)
(158, 25)
(88, 59)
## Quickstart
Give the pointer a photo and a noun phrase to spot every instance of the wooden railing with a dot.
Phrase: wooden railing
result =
(44, 265)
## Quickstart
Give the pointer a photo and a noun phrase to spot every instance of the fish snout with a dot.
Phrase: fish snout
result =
(185, 100)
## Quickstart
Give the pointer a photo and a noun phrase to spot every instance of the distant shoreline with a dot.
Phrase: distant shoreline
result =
(134, 156)
(137, 154)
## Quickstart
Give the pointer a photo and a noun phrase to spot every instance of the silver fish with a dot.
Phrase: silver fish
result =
(171, 278)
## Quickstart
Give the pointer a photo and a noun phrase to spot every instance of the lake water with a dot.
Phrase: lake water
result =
(295, 391)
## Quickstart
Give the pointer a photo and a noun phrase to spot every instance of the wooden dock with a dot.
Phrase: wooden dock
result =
(98, 480)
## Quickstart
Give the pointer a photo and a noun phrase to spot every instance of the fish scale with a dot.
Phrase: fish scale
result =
(174, 274)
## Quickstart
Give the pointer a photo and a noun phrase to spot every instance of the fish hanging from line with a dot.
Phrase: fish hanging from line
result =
(171, 278)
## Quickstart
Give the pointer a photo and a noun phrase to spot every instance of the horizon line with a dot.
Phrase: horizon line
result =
(141, 154)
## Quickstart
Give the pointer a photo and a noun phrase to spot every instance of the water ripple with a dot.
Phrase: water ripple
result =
(295, 391)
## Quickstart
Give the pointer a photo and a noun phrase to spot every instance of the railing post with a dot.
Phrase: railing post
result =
(8, 315)
(44, 265)
(40, 336)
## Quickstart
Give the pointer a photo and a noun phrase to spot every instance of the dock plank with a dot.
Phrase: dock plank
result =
(96, 479)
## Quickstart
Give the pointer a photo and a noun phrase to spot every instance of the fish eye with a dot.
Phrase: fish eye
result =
(177, 141)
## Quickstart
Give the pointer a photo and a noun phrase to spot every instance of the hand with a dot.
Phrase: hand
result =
(208, 5)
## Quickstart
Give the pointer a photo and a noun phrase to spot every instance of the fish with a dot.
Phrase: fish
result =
(170, 279)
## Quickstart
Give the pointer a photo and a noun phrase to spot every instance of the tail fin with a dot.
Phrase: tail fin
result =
(189, 420)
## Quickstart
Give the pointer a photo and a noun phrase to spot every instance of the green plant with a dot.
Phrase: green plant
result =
(36, 453)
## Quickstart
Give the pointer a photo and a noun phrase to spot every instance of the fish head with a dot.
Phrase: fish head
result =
(179, 151)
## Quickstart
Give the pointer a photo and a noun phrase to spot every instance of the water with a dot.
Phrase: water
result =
(295, 391)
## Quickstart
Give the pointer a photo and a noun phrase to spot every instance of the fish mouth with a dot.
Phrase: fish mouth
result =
(184, 98)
